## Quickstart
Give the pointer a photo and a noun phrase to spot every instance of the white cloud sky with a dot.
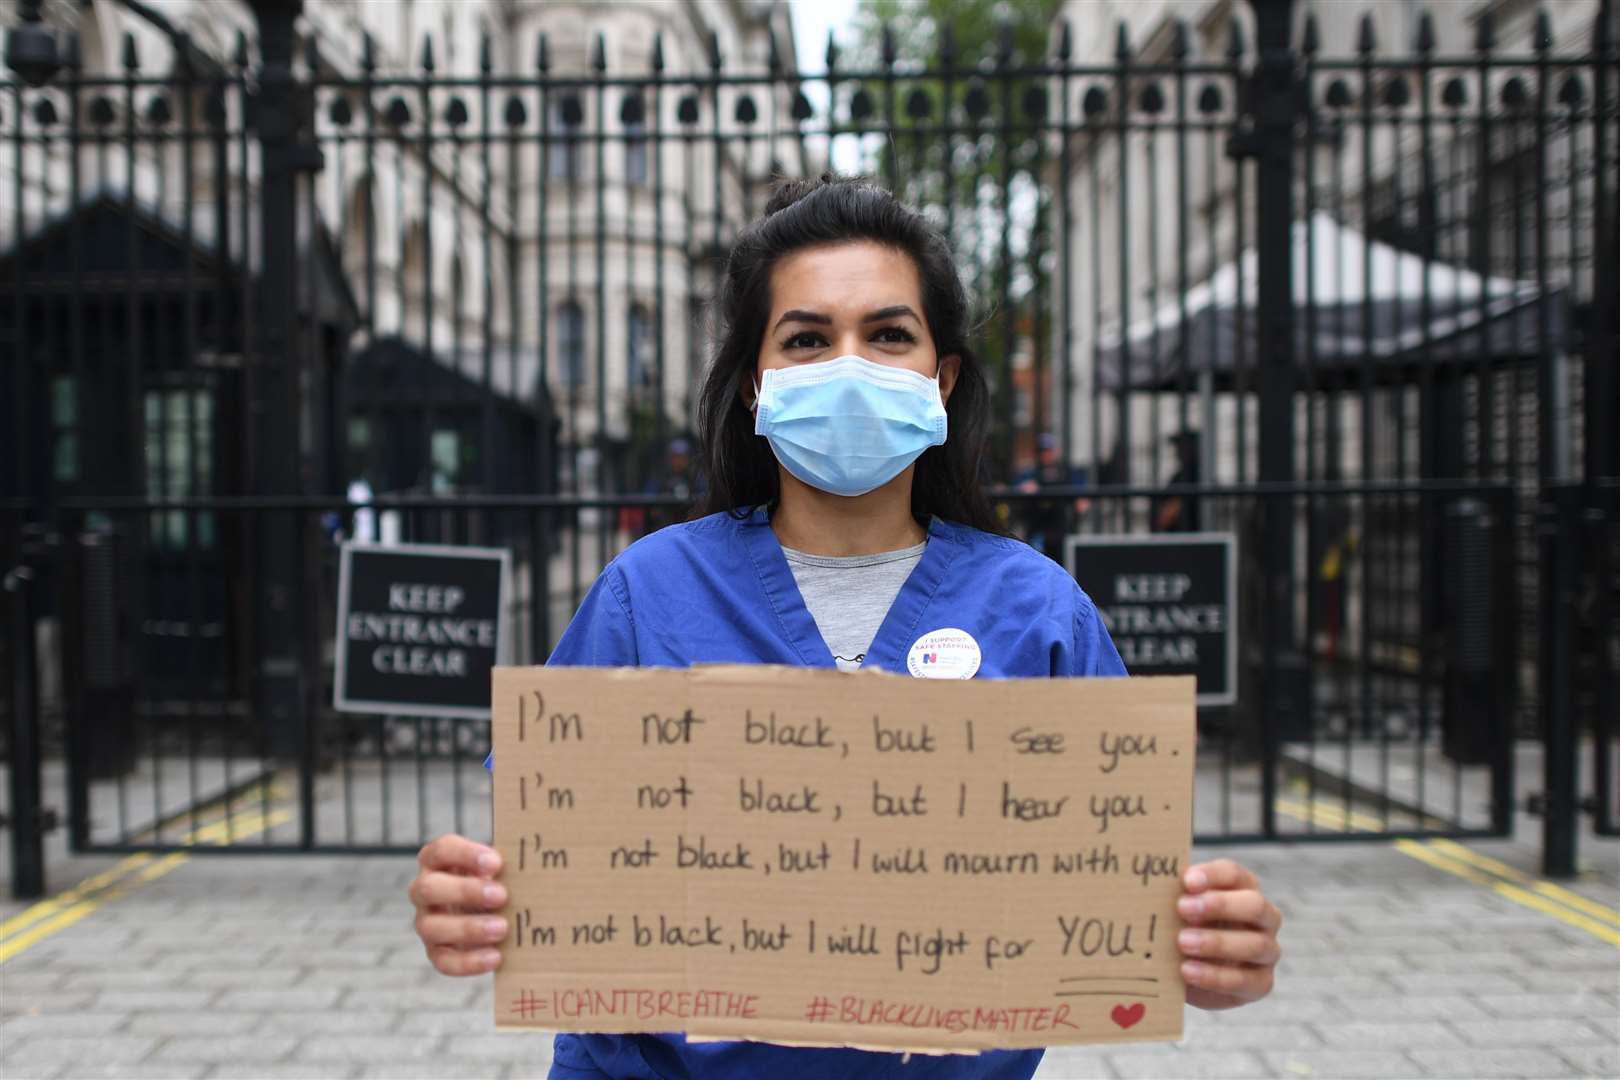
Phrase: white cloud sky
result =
(811, 21)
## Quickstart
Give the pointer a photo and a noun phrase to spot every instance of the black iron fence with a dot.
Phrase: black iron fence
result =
(1357, 308)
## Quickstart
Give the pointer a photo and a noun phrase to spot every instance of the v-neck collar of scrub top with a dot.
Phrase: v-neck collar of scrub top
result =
(900, 626)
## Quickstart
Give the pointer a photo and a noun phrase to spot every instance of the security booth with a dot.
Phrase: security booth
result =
(430, 424)
(127, 353)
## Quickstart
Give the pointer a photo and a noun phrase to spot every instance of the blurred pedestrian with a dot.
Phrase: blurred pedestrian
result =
(1179, 512)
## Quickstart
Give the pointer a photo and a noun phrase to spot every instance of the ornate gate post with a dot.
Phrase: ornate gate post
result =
(1274, 108)
(285, 683)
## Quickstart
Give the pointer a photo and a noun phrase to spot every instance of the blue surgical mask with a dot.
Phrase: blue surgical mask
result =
(848, 426)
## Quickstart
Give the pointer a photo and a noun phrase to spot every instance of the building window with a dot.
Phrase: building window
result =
(445, 455)
(639, 371)
(65, 429)
(360, 444)
(175, 428)
(571, 343)
(1023, 407)
(635, 153)
(566, 114)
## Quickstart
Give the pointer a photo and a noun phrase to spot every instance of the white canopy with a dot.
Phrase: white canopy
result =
(1359, 306)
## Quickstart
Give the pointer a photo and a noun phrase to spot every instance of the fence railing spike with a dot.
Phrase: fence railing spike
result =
(131, 57)
(542, 55)
(1180, 41)
(599, 53)
(1543, 33)
(1236, 45)
(658, 51)
(1122, 42)
(486, 54)
(1311, 41)
(1485, 31)
(1065, 48)
(427, 52)
(1425, 33)
(1366, 36)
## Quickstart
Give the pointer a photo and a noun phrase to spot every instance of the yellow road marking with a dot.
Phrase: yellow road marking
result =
(1512, 892)
(13, 946)
(61, 912)
(1563, 896)
(1478, 869)
(33, 914)
(49, 909)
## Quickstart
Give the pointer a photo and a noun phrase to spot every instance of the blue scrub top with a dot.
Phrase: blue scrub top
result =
(719, 590)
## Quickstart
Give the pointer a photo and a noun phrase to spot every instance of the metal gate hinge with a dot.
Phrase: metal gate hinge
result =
(1535, 804)
(45, 820)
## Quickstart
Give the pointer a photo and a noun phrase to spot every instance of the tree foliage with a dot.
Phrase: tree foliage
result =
(969, 149)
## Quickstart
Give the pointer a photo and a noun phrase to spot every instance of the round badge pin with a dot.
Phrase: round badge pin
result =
(949, 653)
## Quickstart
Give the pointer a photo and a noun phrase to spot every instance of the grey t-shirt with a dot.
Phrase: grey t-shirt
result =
(848, 595)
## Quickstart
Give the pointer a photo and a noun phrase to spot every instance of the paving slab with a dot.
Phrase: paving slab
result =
(286, 1070)
(1594, 1061)
(1338, 1064)
(307, 967)
(1470, 1064)
(1153, 1065)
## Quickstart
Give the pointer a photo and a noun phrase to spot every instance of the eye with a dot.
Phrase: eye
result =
(806, 339)
(897, 335)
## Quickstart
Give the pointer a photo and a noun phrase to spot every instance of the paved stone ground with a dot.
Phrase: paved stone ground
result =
(237, 966)
(253, 966)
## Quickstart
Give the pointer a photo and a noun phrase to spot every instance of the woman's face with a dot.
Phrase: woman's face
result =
(860, 299)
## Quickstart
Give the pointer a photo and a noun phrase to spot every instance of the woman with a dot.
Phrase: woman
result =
(850, 531)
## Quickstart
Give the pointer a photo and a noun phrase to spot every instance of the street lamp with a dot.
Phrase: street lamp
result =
(34, 51)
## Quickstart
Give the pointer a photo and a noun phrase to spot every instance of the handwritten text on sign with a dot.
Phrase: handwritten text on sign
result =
(859, 859)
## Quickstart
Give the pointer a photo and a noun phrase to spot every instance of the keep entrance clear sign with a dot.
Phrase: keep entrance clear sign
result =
(1169, 601)
(419, 628)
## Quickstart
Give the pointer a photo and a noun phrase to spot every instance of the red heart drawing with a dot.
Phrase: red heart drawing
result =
(1127, 1017)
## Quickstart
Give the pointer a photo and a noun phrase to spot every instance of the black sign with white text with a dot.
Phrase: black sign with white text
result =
(1169, 601)
(419, 628)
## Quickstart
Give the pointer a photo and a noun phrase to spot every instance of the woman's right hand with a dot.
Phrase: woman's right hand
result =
(456, 896)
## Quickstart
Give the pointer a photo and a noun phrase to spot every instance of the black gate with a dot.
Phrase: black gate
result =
(1353, 305)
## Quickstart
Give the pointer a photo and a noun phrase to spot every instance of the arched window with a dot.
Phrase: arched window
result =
(635, 150)
(639, 372)
(571, 343)
(458, 287)
(566, 116)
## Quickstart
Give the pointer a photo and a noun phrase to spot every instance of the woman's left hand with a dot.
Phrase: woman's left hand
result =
(1230, 941)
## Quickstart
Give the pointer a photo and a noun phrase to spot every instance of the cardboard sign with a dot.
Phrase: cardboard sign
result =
(1169, 601)
(419, 628)
(857, 859)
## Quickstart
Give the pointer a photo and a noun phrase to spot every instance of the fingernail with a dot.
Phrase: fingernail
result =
(1190, 940)
(489, 959)
(495, 928)
(1197, 879)
(489, 862)
(494, 895)
(1190, 906)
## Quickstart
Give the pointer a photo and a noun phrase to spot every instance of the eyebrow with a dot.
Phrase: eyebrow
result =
(797, 315)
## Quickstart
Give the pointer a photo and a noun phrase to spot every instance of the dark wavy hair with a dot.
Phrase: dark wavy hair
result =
(738, 465)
